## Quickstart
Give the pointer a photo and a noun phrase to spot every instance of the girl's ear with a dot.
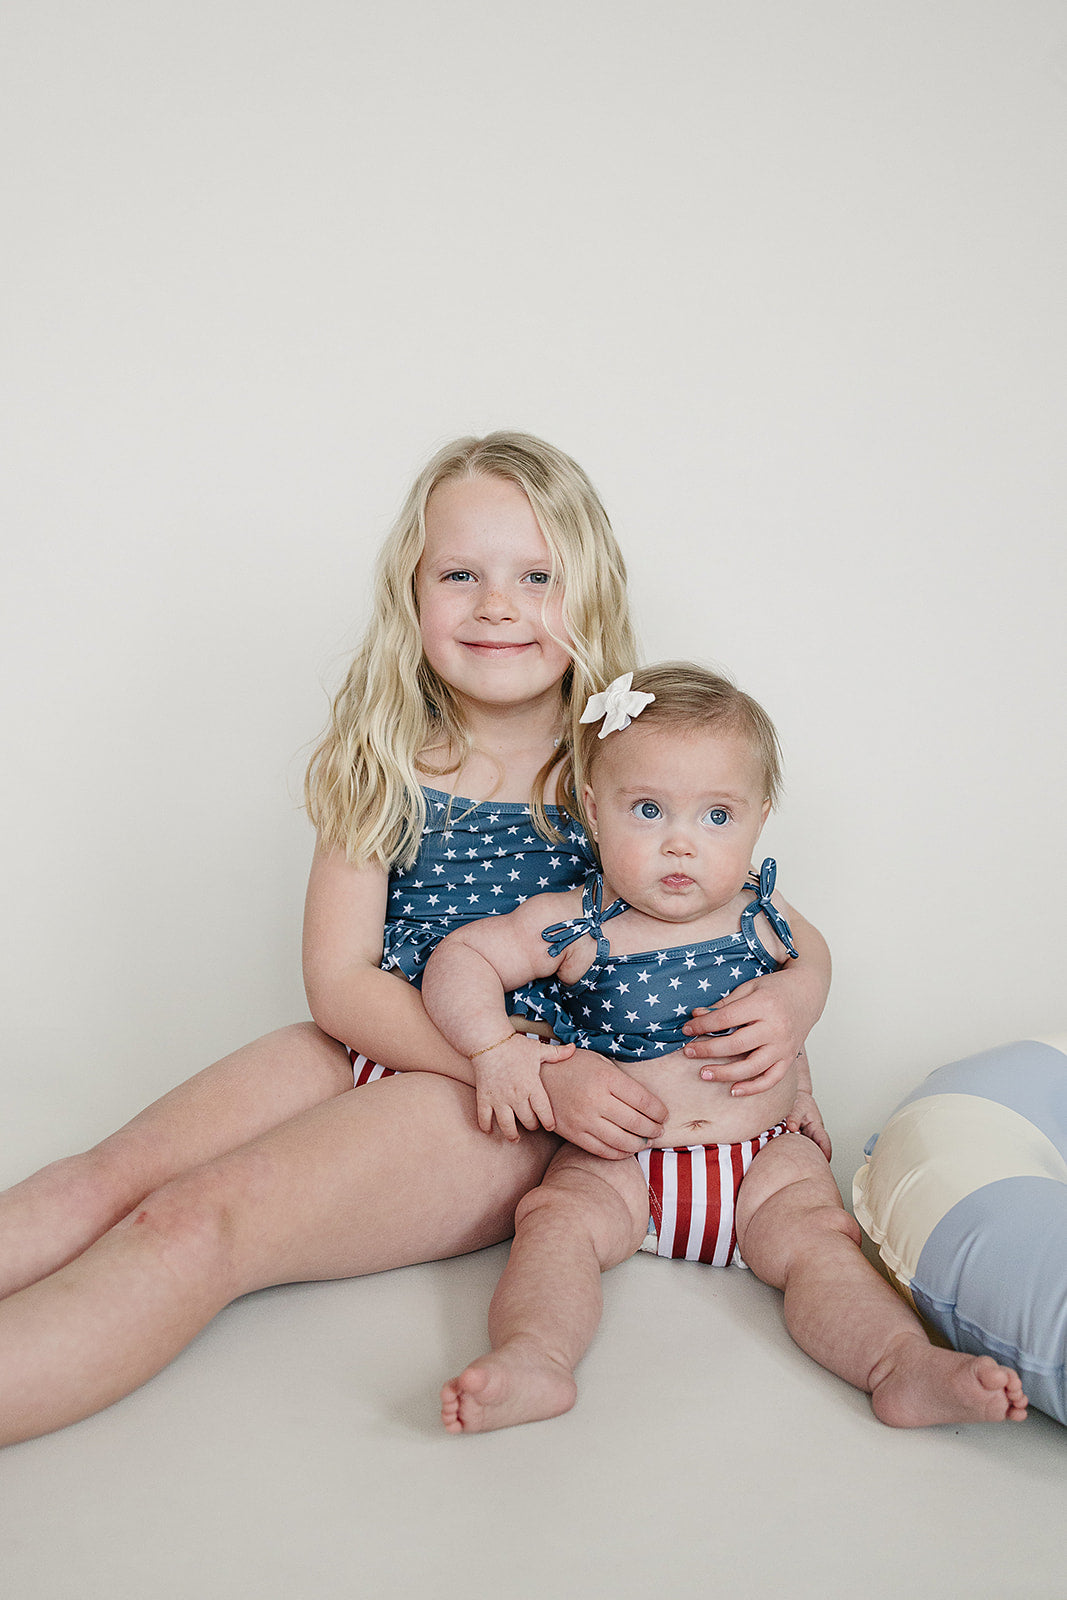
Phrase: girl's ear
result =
(589, 806)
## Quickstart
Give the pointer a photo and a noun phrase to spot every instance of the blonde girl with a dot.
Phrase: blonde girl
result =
(500, 603)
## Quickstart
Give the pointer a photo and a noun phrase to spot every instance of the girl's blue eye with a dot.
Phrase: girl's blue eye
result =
(459, 576)
(648, 810)
(717, 817)
(540, 578)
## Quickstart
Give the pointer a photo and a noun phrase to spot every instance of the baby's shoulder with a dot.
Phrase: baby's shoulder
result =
(562, 905)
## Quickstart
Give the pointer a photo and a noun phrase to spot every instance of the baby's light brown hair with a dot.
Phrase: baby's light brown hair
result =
(689, 696)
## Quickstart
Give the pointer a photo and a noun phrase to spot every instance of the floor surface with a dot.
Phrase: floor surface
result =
(294, 1450)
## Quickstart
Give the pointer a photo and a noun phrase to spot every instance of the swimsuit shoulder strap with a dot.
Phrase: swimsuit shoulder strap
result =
(591, 921)
(762, 902)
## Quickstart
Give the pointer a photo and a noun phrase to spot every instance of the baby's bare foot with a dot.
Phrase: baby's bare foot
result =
(917, 1384)
(516, 1383)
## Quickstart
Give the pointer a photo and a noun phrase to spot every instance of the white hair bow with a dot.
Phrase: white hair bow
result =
(618, 704)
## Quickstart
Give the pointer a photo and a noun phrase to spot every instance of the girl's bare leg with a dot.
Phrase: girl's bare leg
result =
(392, 1173)
(53, 1216)
(794, 1233)
(588, 1214)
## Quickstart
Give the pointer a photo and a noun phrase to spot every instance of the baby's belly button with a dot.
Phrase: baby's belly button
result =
(719, 1118)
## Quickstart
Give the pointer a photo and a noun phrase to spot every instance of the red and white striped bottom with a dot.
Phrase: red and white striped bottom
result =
(692, 1195)
(366, 1071)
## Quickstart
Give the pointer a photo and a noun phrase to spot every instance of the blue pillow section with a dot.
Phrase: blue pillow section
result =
(991, 1273)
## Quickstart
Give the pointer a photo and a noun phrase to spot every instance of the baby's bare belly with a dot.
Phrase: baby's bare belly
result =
(707, 1113)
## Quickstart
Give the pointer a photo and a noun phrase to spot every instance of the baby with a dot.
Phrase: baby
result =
(676, 784)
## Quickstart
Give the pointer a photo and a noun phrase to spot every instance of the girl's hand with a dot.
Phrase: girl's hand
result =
(508, 1085)
(806, 1118)
(767, 1031)
(600, 1108)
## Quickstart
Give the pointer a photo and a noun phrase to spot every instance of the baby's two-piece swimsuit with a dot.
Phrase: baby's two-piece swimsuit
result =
(632, 1008)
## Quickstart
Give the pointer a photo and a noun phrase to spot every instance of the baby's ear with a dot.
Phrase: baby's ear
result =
(766, 813)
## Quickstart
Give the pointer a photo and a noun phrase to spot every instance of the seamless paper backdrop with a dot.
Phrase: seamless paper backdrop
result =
(788, 281)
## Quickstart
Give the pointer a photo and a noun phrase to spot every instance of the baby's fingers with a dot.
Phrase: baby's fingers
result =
(541, 1110)
(505, 1118)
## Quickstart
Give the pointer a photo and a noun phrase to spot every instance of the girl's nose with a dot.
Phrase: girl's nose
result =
(497, 606)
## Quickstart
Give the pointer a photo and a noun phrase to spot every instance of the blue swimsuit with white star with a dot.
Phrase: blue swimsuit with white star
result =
(475, 860)
(633, 1007)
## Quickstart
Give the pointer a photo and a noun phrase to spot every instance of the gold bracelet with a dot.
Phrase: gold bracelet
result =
(487, 1047)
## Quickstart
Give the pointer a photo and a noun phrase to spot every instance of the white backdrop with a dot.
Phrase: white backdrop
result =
(787, 280)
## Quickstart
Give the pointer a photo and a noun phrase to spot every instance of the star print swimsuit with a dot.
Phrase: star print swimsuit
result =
(474, 860)
(633, 1007)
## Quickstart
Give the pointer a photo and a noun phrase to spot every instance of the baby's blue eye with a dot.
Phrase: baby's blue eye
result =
(647, 809)
(717, 817)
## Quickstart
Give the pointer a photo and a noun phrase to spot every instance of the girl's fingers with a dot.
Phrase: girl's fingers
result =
(763, 1065)
(764, 1080)
(739, 1043)
(729, 1013)
(633, 1124)
(637, 1101)
(744, 991)
(729, 1017)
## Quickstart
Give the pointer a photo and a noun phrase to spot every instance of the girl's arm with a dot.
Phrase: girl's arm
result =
(772, 1016)
(350, 997)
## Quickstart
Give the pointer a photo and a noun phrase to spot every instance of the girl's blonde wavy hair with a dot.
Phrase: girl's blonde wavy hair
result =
(362, 789)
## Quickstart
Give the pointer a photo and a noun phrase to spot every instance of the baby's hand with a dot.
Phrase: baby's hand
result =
(508, 1085)
(766, 1034)
(806, 1118)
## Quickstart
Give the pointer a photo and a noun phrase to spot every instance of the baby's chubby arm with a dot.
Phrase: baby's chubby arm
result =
(772, 1015)
(463, 989)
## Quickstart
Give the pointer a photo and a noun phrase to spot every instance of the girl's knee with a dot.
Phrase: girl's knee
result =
(189, 1223)
(94, 1184)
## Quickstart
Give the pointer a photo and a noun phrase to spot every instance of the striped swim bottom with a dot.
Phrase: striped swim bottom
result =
(366, 1071)
(692, 1195)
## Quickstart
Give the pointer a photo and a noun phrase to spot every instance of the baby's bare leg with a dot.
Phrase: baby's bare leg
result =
(51, 1217)
(795, 1234)
(588, 1214)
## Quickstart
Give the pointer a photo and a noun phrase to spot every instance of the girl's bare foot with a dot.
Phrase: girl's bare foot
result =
(917, 1384)
(517, 1383)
